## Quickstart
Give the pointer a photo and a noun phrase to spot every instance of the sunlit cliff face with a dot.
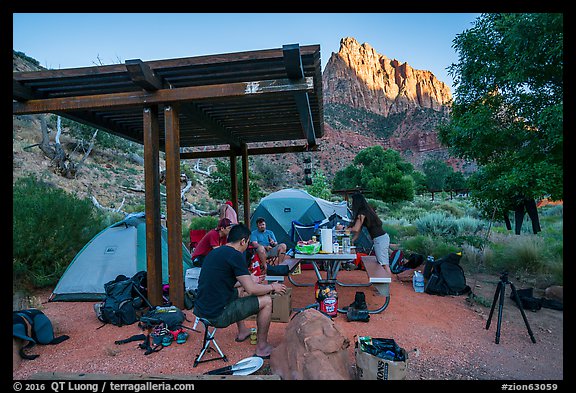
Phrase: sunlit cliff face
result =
(360, 77)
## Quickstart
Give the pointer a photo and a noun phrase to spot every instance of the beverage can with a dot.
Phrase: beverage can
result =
(253, 336)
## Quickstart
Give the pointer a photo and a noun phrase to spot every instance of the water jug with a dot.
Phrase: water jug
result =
(346, 245)
(418, 282)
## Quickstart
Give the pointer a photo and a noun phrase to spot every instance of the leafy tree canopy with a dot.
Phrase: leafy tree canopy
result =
(436, 172)
(382, 172)
(507, 113)
(320, 187)
(219, 185)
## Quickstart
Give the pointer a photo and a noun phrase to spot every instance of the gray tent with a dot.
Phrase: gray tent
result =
(282, 208)
(118, 249)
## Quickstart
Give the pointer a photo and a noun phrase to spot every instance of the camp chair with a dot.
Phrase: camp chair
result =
(195, 236)
(301, 232)
(207, 342)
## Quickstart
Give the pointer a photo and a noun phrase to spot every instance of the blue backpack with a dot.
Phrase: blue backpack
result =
(34, 326)
(397, 262)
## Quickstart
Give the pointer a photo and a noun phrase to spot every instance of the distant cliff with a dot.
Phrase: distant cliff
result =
(389, 102)
(359, 77)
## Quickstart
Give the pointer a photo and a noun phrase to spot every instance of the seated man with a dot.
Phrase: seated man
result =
(218, 299)
(213, 239)
(265, 243)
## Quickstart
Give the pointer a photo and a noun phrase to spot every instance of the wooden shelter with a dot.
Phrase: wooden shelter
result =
(229, 102)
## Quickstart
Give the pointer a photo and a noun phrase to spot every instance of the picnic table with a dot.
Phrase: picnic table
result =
(377, 276)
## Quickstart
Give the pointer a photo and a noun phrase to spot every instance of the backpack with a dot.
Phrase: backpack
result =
(397, 262)
(414, 261)
(172, 317)
(123, 298)
(34, 326)
(445, 276)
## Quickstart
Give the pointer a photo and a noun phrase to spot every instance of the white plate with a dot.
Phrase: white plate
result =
(250, 367)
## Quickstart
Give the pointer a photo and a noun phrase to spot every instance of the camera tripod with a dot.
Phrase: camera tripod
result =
(500, 290)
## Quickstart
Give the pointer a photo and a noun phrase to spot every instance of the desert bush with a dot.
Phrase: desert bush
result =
(428, 245)
(436, 224)
(49, 228)
(204, 222)
(450, 208)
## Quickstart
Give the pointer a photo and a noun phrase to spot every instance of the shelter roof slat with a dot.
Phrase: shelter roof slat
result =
(102, 96)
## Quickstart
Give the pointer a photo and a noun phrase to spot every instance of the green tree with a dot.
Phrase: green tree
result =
(219, 185)
(436, 172)
(382, 172)
(419, 182)
(455, 181)
(320, 187)
(507, 114)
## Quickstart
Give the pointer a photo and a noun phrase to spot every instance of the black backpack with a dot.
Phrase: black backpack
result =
(35, 327)
(123, 298)
(445, 276)
(170, 316)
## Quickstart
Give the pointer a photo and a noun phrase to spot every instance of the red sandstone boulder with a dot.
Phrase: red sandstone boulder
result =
(313, 348)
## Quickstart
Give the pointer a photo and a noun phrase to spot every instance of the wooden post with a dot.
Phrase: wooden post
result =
(246, 184)
(174, 206)
(233, 182)
(152, 203)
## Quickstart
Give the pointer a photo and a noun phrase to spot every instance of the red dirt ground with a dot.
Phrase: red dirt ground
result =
(444, 336)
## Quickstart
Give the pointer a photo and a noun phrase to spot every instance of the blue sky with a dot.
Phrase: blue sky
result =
(67, 40)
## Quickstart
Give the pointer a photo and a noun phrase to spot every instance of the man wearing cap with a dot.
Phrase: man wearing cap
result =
(227, 211)
(213, 239)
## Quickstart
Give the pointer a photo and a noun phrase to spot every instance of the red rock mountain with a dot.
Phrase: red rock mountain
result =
(388, 102)
(360, 77)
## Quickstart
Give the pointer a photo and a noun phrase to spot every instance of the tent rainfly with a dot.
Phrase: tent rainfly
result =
(118, 249)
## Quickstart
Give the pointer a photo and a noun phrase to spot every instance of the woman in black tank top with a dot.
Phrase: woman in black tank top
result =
(364, 215)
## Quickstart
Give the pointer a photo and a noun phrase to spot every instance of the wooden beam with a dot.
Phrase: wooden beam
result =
(174, 206)
(255, 151)
(21, 92)
(200, 117)
(166, 96)
(295, 71)
(142, 75)
(227, 59)
(246, 184)
(152, 206)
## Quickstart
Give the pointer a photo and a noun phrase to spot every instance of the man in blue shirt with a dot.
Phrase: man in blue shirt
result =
(264, 241)
(224, 270)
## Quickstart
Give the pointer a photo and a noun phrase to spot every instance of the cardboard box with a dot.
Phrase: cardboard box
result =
(281, 307)
(370, 367)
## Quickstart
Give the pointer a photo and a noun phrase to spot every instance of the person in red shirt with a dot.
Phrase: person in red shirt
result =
(213, 239)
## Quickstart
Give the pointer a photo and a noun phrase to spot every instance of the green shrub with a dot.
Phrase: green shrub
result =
(450, 208)
(436, 224)
(50, 227)
(204, 222)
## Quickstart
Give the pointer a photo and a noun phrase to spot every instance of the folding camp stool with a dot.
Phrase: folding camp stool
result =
(208, 340)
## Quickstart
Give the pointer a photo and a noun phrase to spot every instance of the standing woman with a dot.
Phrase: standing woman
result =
(364, 215)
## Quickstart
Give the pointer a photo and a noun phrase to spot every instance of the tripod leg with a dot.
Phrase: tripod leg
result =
(519, 302)
(500, 307)
(493, 305)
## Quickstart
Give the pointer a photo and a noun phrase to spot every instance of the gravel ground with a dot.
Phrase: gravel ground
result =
(445, 337)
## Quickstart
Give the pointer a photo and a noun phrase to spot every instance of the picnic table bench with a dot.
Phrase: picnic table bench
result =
(291, 263)
(379, 278)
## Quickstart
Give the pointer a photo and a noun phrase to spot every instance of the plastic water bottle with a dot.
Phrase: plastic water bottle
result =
(418, 282)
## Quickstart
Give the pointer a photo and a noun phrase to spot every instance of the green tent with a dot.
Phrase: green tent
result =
(118, 249)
